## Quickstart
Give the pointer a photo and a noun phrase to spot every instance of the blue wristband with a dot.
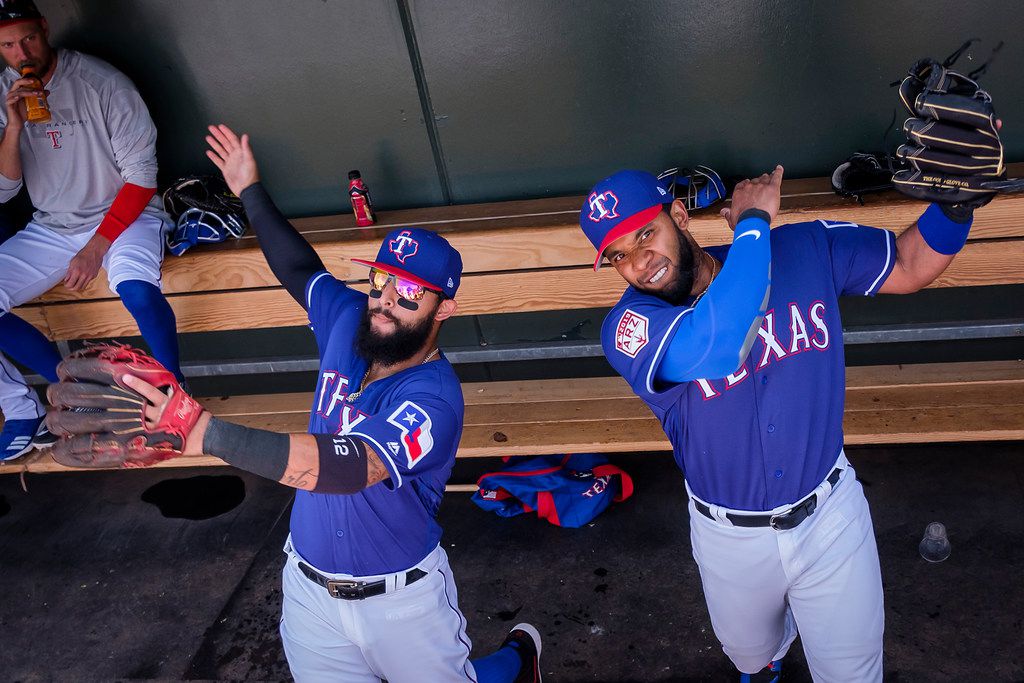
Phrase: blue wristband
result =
(942, 234)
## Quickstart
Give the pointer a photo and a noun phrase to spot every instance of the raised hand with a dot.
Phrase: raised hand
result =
(233, 156)
(763, 192)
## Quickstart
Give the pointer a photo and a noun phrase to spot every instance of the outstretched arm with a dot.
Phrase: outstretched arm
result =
(926, 248)
(324, 463)
(291, 258)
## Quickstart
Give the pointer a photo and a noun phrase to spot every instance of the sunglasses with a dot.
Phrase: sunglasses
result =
(407, 289)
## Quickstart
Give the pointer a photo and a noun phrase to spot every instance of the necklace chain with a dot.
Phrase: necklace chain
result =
(356, 394)
(714, 271)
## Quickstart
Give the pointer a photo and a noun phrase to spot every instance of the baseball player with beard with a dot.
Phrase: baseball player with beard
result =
(91, 174)
(738, 350)
(368, 592)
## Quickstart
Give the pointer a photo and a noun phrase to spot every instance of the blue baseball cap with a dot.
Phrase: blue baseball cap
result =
(422, 256)
(621, 204)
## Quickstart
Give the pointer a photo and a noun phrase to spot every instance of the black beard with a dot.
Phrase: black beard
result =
(396, 347)
(678, 292)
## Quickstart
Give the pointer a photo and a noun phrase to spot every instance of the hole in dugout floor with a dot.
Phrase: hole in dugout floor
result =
(196, 498)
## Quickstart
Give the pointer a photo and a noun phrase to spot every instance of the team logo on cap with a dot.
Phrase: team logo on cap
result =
(631, 333)
(415, 424)
(403, 246)
(602, 205)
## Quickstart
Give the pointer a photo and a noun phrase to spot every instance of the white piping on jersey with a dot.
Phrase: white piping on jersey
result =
(382, 452)
(888, 249)
(885, 267)
(309, 289)
(657, 354)
(832, 224)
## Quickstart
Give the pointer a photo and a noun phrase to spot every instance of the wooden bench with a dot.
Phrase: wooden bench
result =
(531, 256)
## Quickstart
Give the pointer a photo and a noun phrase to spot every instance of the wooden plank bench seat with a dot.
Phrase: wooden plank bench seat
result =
(531, 256)
(506, 246)
(971, 401)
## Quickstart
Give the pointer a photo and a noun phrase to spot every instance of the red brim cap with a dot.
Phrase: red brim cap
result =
(388, 268)
(19, 20)
(625, 227)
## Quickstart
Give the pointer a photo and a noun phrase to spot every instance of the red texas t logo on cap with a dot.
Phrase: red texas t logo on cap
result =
(602, 206)
(401, 244)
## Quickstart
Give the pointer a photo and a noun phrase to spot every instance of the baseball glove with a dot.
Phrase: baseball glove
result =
(953, 146)
(102, 422)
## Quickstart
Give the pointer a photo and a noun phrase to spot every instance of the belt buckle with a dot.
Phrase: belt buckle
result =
(781, 521)
(344, 589)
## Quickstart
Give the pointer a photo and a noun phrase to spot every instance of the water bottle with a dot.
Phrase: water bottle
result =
(360, 196)
(36, 106)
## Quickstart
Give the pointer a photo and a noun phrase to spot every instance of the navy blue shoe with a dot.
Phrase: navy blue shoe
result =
(16, 438)
(526, 641)
(770, 674)
(44, 438)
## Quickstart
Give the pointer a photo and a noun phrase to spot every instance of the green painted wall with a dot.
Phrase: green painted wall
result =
(530, 97)
(535, 98)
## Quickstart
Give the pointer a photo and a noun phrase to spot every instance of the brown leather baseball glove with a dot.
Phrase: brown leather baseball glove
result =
(103, 423)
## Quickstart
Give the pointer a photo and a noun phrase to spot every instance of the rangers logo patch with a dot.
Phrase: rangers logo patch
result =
(403, 246)
(415, 424)
(631, 333)
(602, 206)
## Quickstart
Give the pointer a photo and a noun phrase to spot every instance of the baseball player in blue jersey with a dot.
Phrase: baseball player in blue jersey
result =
(368, 592)
(738, 351)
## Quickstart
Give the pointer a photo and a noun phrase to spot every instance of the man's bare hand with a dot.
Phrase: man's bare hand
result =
(20, 89)
(763, 192)
(233, 156)
(85, 265)
(156, 403)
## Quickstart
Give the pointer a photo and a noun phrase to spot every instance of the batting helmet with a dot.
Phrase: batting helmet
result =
(699, 187)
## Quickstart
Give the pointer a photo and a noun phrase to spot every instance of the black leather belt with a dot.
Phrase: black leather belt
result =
(790, 519)
(349, 589)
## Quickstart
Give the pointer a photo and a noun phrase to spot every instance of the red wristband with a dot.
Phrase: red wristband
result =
(127, 207)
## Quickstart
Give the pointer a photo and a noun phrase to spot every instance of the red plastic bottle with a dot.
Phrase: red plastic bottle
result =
(360, 196)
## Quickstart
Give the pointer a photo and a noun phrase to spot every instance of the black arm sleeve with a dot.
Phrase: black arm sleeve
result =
(291, 258)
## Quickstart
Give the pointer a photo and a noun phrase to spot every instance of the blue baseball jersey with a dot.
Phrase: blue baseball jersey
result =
(769, 433)
(412, 419)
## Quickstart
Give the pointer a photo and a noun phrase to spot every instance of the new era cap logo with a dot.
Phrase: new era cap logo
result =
(602, 206)
(403, 246)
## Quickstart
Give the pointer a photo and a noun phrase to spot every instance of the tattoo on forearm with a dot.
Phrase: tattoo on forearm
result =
(306, 479)
(375, 470)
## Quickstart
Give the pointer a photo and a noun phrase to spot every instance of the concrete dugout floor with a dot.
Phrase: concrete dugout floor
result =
(98, 585)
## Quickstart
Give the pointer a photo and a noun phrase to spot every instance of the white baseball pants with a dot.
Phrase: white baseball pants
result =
(413, 634)
(35, 259)
(821, 579)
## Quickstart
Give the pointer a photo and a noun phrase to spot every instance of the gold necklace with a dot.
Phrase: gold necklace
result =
(714, 271)
(356, 394)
